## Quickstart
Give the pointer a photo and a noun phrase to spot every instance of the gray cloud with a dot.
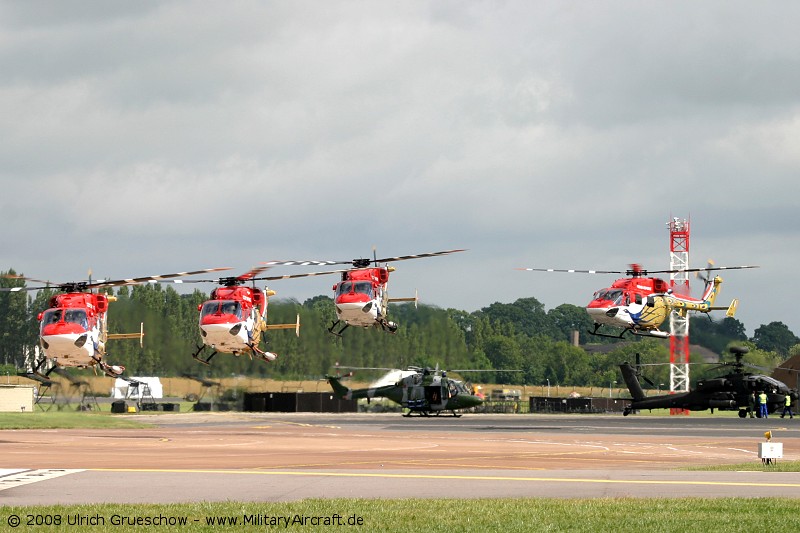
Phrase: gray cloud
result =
(144, 138)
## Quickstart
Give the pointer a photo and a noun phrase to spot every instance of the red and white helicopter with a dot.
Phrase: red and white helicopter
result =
(234, 320)
(73, 331)
(361, 297)
(640, 303)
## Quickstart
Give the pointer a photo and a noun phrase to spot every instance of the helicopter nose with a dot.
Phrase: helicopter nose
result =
(466, 401)
(611, 313)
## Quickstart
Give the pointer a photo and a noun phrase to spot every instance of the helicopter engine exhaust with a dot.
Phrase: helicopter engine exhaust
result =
(722, 404)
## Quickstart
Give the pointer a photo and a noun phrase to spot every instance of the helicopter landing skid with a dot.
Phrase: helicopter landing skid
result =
(38, 366)
(104, 367)
(418, 413)
(337, 333)
(261, 354)
(597, 334)
(647, 333)
(196, 356)
(391, 327)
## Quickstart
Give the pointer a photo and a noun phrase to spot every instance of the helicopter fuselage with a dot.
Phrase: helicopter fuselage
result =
(233, 319)
(642, 304)
(72, 332)
(421, 392)
(361, 298)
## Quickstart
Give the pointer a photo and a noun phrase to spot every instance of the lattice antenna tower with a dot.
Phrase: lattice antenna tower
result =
(679, 325)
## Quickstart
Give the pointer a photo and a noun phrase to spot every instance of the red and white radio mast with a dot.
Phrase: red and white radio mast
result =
(678, 324)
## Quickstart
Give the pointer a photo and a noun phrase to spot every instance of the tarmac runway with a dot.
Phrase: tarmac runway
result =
(260, 457)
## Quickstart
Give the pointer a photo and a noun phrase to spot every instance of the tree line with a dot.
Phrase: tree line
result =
(522, 341)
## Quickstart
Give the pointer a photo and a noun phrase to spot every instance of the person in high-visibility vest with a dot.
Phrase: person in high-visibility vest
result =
(762, 404)
(787, 406)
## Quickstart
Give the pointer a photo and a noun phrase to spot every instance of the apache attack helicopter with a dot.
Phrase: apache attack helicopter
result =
(727, 393)
(420, 390)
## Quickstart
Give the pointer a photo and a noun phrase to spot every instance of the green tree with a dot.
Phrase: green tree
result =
(504, 353)
(567, 318)
(526, 316)
(774, 337)
(14, 339)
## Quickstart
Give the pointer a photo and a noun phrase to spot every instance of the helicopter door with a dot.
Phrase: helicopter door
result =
(433, 394)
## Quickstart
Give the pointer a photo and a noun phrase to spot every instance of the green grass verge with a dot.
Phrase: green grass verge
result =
(415, 516)
(68, 420)
(756, 466)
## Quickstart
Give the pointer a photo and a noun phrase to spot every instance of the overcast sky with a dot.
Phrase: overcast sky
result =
(145, 138)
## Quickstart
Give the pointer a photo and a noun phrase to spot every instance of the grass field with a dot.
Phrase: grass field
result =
(67, 419)
(417, 516)
(778, 466)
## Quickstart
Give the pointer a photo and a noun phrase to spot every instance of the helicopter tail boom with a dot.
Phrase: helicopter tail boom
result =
(340, 390)
(140, 335)
(632, 381)
(295, 326)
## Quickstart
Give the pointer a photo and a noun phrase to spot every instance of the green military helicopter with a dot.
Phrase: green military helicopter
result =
(424, 392)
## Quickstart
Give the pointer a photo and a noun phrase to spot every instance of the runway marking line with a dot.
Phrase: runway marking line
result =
(33, 476)
(454, 477)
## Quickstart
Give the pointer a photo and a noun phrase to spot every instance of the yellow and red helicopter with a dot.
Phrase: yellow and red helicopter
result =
(73, 331)
(361, 297)
(234, 320)
(640, 303)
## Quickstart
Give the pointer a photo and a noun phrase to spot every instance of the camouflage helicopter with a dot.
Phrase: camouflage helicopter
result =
(420, 390)
(731, 392)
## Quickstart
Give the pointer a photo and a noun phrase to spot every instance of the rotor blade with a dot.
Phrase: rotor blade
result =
(305, 263)
(572, 271)
(416, 256)
(153, 279)
(47, 284)
(478, 370)
(14, 276)
(307, 274)
(647, 380)
(252, 273)
(750, 365)
(367, 368)
(23, 289)
(704, 269)
(358, 261)
(642, 272)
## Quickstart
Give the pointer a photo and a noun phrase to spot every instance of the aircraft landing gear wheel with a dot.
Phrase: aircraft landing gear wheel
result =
(742, 413)
(626, 412)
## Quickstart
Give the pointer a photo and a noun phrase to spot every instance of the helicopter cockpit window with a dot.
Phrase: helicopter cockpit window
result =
(232, 308)
(343, 288)
(52, 316)
(224, 307)
(454, 389)
(361, 287)
(77, 316)
(614, 295)
(209, 308)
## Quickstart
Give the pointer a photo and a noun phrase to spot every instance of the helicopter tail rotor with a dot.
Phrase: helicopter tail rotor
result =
(638, 369)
